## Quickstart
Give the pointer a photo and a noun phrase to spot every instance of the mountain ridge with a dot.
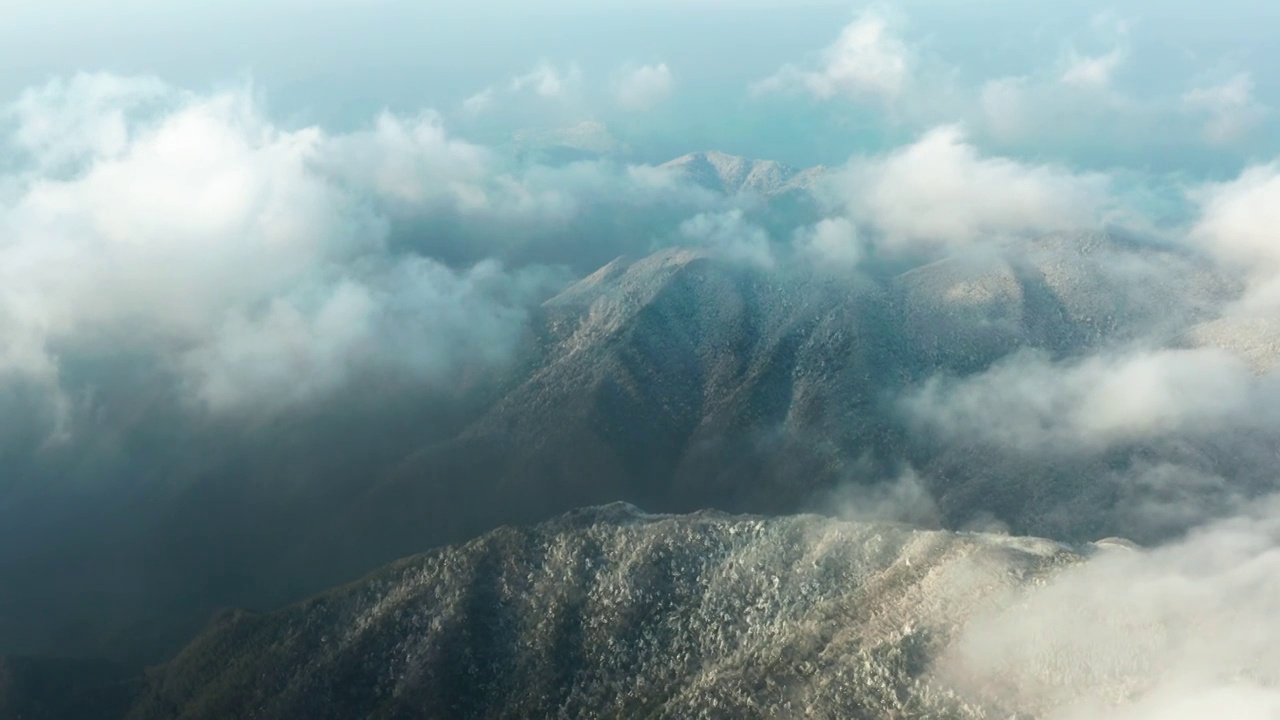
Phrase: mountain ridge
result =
(733, 174)
(612, 612)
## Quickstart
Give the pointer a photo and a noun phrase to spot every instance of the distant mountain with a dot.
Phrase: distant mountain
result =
(590, 135)
(609, 612)
(732, 175)
(1065, 293)
(587, 140)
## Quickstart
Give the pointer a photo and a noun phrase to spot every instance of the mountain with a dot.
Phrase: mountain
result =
(1064, 293)
(678, 380)
(611, 612)
(732, 175)
(587, 140)
(685, 380)
(1254, 337)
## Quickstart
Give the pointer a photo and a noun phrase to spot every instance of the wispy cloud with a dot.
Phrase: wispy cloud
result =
(548, 81)
(1230, 108)
(644, 87)
(867, 59)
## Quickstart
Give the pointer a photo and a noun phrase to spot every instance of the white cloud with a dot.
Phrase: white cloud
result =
(1230, 108)
(479, 102)
(1004, 105)
(250, 256)
(1030, 403)
(547, 81)
(1240, 220)
(904, 499)
(831, 245)
(942, 191)
(730, 234)
(1183, 631)
(866, 59)
(206, 203)
(544, 82)
(257, 263)
(645, 87)
(85, 115)
(412, 161)
(1095, 72)
(1092, 72)
(414, 318)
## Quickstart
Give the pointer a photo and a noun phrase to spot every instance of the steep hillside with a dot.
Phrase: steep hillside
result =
(610, 612)
(679, 381)
(684, 380)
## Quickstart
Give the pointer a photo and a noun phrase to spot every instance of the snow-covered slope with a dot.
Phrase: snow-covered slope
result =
(609, 612)
(731, 174)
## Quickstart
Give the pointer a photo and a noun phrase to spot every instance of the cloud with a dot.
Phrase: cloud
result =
(1030, 403)
(1091, 72)
(1231, 110)
(831, 244)
(730, 234)
(1095, 72)
(904, 499)
(479, 102)
(1240, 220)
(548, 81)
(412, 161)
(941, 191)
(1004, 106)
(265, 266)
(253, 258)
(413, 319)
(867, 59)
(645, 87)
(85, 114)
(1182, 631)
(534, 92)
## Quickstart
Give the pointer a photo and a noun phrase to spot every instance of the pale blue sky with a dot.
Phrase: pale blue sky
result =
(338, 62)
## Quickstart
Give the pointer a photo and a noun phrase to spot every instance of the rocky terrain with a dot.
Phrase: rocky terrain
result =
(610, 612)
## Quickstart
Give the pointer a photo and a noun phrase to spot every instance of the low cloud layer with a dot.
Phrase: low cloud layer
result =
(1181, 631)
(1033, 404)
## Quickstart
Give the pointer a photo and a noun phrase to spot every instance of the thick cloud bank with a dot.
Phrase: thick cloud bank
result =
(258, 261)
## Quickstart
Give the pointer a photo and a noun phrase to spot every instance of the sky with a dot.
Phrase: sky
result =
(337, 63)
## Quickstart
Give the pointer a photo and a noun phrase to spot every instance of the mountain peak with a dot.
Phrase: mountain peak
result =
(735, 174)
(610, 612)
